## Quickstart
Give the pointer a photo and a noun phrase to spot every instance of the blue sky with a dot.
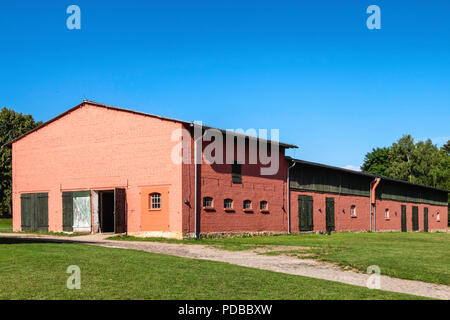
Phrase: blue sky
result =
(309, 68)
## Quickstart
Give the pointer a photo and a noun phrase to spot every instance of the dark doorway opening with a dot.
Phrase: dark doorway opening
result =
(106, 205)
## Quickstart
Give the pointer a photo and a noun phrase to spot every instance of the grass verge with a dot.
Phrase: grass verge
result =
(38, 271)
(5, 225)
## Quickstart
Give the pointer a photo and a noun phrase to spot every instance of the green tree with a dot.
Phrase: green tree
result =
(428, 166)
(446, 147)
(377, 161)
(421, 162)
(12, 125)
(401, 159)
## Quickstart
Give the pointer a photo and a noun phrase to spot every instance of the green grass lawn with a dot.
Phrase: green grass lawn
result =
(38, 271)
(5, 225)
(416, 256)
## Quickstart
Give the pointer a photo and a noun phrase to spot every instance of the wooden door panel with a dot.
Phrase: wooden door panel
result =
(120, 211)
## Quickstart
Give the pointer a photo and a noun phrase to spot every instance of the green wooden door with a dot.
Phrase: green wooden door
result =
(27, 212)
(305, 213)
(415, 218)
(425, 219)
(41, 212)
(34, 212)
(67, 198)
(330, 214)
(404, 229)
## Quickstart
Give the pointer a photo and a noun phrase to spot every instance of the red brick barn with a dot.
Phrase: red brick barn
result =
(326, 198)
(97, 168)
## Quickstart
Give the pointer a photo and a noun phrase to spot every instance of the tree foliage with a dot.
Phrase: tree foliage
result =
(421, 162)
(377, 161)
(12, 125)
(446, 147)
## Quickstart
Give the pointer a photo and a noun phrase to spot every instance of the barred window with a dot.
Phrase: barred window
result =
(207, 202)
(263, 205)
(155, 201)
(228, 204)
(247, 204)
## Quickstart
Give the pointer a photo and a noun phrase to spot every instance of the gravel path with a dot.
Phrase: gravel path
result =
(279, 263)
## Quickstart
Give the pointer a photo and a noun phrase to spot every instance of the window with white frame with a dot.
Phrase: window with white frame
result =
(438, 217)
(155, 201)
(386, 214)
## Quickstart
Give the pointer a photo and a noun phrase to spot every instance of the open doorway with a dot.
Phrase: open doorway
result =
(109, 211)
(106, 211)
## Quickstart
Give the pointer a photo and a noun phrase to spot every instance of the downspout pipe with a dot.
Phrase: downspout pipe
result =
(289, 197)
(196, 188)
(373, 187)
(196, 164)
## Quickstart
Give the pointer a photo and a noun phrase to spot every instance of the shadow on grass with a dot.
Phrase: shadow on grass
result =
(14, 240)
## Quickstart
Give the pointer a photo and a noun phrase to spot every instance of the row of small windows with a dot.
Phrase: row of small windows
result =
(155, 204)
(387, 213)
(228, 204)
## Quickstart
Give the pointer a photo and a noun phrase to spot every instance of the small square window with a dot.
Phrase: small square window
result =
(228, 204)
(247, 205)
(207, 202)
(263, 205)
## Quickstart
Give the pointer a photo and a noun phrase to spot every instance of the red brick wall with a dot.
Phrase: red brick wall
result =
(394, 223)
(94, 148)
(345, 222)
(215, 181)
